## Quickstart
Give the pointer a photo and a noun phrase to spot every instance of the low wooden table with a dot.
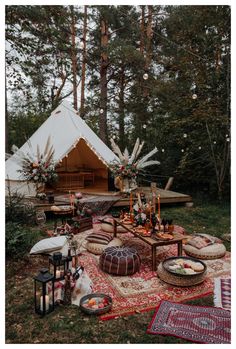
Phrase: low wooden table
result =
(154, 243)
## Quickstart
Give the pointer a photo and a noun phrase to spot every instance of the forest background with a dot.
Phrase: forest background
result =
(160, 73)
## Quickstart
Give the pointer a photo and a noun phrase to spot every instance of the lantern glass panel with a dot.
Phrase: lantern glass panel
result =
(44, 291)
(57, 268)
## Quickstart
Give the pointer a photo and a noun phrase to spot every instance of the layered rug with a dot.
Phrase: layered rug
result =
(194, 323)
(143, 290)
(222, 293)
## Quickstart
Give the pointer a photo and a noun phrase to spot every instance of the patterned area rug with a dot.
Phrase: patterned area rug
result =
(99, 204)
(144, 290)
(222, 293)
(194, 323)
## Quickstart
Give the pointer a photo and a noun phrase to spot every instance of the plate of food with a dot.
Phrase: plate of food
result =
(184, 266)
(96, 303)
(142, 231)
(164, 236)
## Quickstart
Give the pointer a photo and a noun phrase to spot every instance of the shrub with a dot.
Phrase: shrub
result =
(19, 239)
(17, 210)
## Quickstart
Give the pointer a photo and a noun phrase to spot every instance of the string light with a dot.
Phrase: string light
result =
(228, 139)
(185, 135)
(214, 142)
(114, 136)
(145, 76)
(144, 126)
(194, 96)
(101, 111)
(163, 150)
(182, 150)
(199, 147)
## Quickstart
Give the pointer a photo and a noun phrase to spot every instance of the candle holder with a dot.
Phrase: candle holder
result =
(44, 292)
(58, 266)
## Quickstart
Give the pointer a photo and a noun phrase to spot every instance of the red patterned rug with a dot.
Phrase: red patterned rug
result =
(222, 293)
(194, 323)
(144, 290)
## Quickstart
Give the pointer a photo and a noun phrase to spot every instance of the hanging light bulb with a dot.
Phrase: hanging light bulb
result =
(185, 135)
(194, 96)
(101, 111)
(214, 142)
(81, 44)
(199, 147)
(163, 150)
(228, 139)
(114, 136)
(182, 150)
(226, 136)
(145, 76)
(144, 126)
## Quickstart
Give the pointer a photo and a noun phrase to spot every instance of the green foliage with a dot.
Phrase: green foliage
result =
(19, 239)
(18, 210)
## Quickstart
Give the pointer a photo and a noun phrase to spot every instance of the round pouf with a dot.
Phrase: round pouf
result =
(214, 251)
(176, 280)
(120, 260)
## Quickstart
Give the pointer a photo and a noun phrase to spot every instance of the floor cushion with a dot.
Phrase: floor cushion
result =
(97, 248)
(120, 260)
(213, 251)
(49, 245)
(107, 225)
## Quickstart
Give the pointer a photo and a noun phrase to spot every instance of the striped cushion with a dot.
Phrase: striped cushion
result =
(100, 238)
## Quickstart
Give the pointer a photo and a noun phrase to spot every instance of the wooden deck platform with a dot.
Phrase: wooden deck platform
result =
(166, 196)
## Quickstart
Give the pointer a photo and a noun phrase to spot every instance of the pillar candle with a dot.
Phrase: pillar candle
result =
(46, 302)
(131, 202)
(159, 208)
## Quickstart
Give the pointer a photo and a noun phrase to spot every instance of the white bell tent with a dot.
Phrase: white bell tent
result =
(76, 147)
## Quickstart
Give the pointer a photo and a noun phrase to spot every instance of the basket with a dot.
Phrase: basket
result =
(179, 280)
(95, 311)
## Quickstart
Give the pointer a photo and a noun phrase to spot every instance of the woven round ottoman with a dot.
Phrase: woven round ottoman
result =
(214, 251)
(120, 260)
(107, 226)
(176, 280)
(98, 249)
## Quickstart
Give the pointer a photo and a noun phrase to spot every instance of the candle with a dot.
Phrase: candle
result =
(159, 207)
(131, 202)
(46, 303)
(154, 202)
(58, 274)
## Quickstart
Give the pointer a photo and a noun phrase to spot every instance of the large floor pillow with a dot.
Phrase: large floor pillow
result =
(98, 249)
(214, 251)
(107, 225)
(120, 260)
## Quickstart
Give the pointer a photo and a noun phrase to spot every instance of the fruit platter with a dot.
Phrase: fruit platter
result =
(184, 266)
(96, 303)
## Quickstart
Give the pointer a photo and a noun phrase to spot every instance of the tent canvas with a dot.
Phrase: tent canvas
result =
(75, 144)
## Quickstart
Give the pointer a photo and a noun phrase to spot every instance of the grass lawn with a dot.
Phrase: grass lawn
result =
(67, 324)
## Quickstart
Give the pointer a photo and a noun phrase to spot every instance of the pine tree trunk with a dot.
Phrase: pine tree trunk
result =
(84, 54)
(103, 82)
(142, 29)
(6, 120)
(74, 59)
(121, 108)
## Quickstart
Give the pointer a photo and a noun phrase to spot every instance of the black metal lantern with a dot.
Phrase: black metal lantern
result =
(58, 266)
(44, 292)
